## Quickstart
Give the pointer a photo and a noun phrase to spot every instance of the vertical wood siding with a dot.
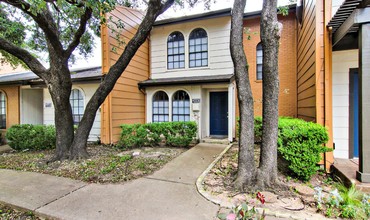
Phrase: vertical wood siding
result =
(126, 103)
(306, 63)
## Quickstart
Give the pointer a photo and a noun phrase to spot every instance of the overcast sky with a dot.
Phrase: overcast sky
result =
(252, 5)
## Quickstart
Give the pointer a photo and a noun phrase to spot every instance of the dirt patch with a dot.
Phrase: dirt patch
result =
(105, 165)
(10, 213)
(299, 198)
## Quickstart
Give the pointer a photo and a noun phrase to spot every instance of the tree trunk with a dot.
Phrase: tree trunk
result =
(270, 35)
(155, 8)
(246, 165)
(60, 89)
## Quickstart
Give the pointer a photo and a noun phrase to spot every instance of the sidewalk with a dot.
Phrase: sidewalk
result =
(170, 193)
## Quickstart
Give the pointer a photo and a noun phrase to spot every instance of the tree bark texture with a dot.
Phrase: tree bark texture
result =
(155, 8)
(246, 165)
(58, 76)
(270, 35)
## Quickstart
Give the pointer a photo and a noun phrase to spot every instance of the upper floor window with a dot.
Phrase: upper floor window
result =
(77, 103)
(160, 107)
(175, 51)
(2, 111)
(259, 61)
(181, 106)
(198, 48)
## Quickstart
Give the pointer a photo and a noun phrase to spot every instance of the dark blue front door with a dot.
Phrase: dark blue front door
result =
(218, 113)
(355, 108)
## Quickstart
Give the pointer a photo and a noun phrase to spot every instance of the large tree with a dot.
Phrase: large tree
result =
(246, 168)
(59, 27)
(249, 175)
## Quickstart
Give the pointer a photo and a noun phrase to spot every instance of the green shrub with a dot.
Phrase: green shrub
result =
(300, 144)
(31, 137)
(177, 134)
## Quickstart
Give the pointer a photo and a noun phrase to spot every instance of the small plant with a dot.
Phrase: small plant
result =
(243, 212)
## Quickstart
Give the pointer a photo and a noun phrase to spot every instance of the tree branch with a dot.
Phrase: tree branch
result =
(80, 31)
(22, 54)
(44, 20)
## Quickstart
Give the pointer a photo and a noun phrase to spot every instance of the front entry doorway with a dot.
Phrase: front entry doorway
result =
(354, 113)
(219, 113)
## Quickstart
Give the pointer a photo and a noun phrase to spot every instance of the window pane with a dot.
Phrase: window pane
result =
(181, 50)
(170, 51)
(204, 47)
(182, 57)
(259, 59)
(181, 43)
(161, 118)
(170, 65)
(259, 53)
(176, 65)
(176, 58)
(191, 49)
(198, 41)
(192, 63)
(191, 42)
(175, 118)
(170, 58)
(192, 56)
(204, 40)
(198, 48)
(198, 63)
(176, 44)
(175, 50)
(182, 64)
(205, 62)
(198, 56)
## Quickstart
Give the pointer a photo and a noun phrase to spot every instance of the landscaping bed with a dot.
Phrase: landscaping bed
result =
(10, 213)
(105, 165)
(313, 199)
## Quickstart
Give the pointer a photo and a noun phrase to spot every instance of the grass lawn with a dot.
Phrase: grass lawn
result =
(105, 165)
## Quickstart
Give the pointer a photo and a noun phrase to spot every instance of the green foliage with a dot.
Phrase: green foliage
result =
(300, 144)
(177, 134)
(31, 137)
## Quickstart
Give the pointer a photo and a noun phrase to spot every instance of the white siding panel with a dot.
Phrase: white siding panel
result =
(219, 59)
(342, 62)
(88, 90)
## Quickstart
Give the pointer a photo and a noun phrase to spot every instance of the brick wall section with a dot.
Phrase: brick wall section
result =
(287, 65)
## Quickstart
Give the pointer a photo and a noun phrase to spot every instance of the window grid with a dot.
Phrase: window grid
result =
(77, 103)
(259, 61)
(198, 48)
(181, 106)
(2, 111)
(176, 51)
(160, 107)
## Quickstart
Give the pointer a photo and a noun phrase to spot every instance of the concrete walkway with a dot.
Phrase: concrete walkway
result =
(170, 193)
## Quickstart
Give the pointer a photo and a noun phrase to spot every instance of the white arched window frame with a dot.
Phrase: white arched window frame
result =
(176, 51)
(160, 106)
(259, 61)
(198, 48)
(78, 105)
(2, 110)
(181, 106)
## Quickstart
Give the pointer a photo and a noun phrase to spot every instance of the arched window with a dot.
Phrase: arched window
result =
(181, 106)
(198, 48)
(175, 51)
(2, 111)
(160, 107)
(259, 61)
(77, 103)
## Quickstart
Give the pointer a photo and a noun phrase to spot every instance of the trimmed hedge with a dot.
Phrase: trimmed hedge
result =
(176, 134)
(300, 144)
(31, 137)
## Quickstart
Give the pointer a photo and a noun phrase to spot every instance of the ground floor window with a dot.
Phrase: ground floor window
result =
(181, 106)
(77, 103)
(160, 107)
(2, 111)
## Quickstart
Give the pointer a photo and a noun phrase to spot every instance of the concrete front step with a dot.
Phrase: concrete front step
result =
(215, 140)
(345, 170)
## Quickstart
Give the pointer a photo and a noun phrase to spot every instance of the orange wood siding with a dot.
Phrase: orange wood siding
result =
(287, 65)
(126, 103)
(306, 63)
(12, 106)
